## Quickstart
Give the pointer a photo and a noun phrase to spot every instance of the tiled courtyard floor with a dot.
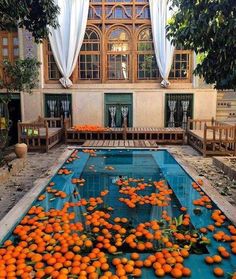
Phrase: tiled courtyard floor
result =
(14, 189)
(37, 165)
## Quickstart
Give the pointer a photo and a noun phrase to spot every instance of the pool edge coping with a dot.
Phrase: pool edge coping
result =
(23, 205)
(228, 209)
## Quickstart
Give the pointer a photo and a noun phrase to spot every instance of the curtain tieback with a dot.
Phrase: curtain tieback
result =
(66, 82)
(165, 83)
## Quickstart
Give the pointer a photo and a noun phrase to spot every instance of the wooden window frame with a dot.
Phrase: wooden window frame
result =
(149, 52)
(127, 52)
(10, 47)
(46, 63)
(94, 28)
(190, 65)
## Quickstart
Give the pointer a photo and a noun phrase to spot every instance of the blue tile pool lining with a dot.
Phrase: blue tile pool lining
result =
(20, 209)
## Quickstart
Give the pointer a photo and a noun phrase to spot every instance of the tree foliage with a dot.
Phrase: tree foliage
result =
(34, 15)
(209, 28)
(20, 75)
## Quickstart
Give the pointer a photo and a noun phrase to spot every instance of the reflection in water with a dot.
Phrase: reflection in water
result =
(130, 165)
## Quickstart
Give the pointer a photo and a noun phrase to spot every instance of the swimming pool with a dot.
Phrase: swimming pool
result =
(127, 188)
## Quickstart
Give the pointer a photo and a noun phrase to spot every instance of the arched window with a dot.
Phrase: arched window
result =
(89, 59)
(118, 54)
(147, 66)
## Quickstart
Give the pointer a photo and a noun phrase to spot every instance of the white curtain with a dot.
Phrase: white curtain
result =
(164, 50)
(67, 39)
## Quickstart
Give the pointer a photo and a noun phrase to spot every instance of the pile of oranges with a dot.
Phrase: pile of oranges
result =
(55, 243)
(73, 157)
(218, 217)
(54, 192)
(91, 152)
(158, 198)
(89, 128)
(79, 181)
(64, 171)
(204, 200)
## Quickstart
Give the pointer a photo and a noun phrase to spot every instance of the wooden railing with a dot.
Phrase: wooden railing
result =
(212, 137)
(199, 124)
(30, 134)
(56, 122)
(41, 134)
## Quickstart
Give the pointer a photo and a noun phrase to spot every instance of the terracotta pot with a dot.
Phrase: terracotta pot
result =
(21, 150)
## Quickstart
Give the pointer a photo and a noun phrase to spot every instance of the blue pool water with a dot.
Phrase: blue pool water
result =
(138, 164)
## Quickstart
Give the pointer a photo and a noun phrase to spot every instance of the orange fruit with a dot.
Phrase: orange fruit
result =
(179, 259)
(116, 261)
(105, 266)
(75, 270)
(139, 263)
(135, 256)
(186, 271)
(112, 249)
(128, 268)
(40, 274)
(120, 272)
(217, 258)
(69, 255)
(176, 273)
(225, 254)
(88, 243)
(184, 253)
(90, 269)
(137, 272)
(152, 258)
(233, 250)
(157, 265)
(219, 272)
(160, 272)
(124, 260)
(167, 268)
(48, 269)
(171, 260)
(209, 260)
(221, 248)
(58, 266)
(147, 263)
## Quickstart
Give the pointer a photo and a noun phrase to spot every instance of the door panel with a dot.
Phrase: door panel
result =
(14, 116)
(178, 107)
(57, 105)
(118, 119)
(14, 112)
(114, 104)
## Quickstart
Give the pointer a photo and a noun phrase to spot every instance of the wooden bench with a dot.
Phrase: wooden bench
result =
(42, 134)
(159, 135)
(211, 137)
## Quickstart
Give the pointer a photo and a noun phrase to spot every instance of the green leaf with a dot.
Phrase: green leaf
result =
(208, 28)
